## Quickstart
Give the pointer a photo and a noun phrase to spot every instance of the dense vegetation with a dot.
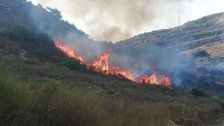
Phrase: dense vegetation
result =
(40, 86)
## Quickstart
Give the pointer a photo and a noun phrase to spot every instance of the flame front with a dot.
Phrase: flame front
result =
(101, 64)
(166, 81)
(123, 73)
(69, 52)
(149, 80)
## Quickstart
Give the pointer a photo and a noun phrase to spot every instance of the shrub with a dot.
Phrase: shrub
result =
(37, 44)
(199, 92)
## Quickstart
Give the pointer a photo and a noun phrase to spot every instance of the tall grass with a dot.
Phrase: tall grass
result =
(30, 103)
(62, 94)
(39, 91)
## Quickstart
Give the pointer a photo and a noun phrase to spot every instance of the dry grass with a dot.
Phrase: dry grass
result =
(41, 91)
(46, 94)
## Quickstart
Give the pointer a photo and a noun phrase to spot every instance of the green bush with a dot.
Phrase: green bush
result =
(199, 92)
(72, 64)
(50, 103)
(75, 65)
(39, 101)
(37, 44)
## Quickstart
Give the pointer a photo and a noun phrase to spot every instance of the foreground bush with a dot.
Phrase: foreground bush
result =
(50, 102)
(30, 103)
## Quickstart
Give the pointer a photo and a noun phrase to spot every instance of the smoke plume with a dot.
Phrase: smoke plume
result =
(118, 20)
(115, 20)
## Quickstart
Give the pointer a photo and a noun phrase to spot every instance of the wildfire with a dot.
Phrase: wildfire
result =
(149, 80)
(166, 81)
(69, 52)
(101, 64)
(124, 73)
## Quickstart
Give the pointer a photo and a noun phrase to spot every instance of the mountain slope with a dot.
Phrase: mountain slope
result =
(137, 53)
(206, 33)
(40, 86)
(21, 13)
(176, 50)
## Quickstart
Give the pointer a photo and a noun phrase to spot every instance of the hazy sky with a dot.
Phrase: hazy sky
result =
(115, 20)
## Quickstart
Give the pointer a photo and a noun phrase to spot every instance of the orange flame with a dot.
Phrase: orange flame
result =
(124, 73)
(69, 52)
(149, 80)
(101, 64)
(166, 81)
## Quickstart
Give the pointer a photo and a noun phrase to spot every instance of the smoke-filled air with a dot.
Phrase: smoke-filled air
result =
(115, 20)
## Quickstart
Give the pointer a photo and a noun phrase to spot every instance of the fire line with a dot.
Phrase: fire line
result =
(101, 64)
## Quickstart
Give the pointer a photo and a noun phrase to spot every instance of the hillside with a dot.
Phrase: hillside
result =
(21, 13)
(15, 13)
(41, 86)
(175, 51)
(205, 33)
(44, 87)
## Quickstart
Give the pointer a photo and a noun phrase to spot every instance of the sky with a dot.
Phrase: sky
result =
(116, 20)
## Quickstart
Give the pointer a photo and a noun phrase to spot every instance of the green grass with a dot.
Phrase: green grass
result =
(32, 43)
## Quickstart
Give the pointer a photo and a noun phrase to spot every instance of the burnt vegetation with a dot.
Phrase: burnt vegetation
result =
(39, 85)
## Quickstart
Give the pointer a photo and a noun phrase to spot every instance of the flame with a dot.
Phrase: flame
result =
(124, 73)
(69, 52)
(149, 80)
(166, 81)
(101, 64)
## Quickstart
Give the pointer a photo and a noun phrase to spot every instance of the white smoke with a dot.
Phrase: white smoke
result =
(115, 20)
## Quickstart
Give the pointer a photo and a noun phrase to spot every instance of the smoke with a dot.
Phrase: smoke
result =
(85, 46)
(115, 20)
(219, 66)
(153, 58)
(50, 22)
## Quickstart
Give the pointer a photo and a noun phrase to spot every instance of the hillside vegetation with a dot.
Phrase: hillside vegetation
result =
(173, 50)
(202, 34)
(22, 13)
(41, 86)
